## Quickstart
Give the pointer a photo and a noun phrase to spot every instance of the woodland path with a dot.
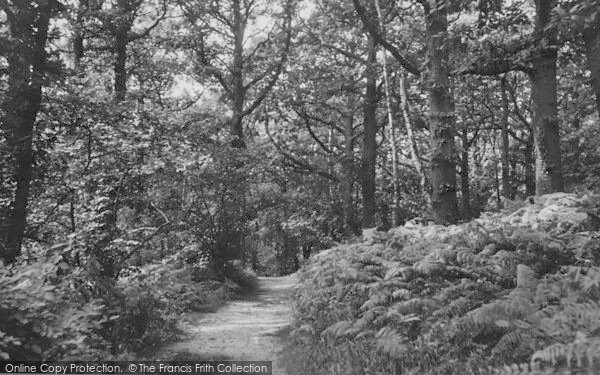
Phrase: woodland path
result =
(244, 329)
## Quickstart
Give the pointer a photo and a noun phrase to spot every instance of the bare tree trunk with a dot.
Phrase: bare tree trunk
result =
(121, 34)
(26, 59)
(369, 153)
(237, 78)
(395, 175)
(101, 252)
(120, 64)
(529, 163)
(548, 173)
(497, 181)
(392, 136)
(464, 174)
(514, 176)
(72, 211)
(591, 37)
(504, 152)
(575, 149)
(78, 47)
(348, 170)
(442, 121)
(330, 163)
(414, 151)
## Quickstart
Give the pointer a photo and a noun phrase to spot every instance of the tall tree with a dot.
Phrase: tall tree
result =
(369, 149)
(504, 152)
(465, 183)
(24, 44)
(548, 172)
(536, 55)
(441, 103)
(410, 132)
(122, 22)
(331, 88)
(391, 125)
(220, 43)
(584, 16)
(591, 36)
(348, 169)
(441, 114)
(78, 38)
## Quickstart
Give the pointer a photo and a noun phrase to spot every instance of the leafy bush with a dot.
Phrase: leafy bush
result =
(51, 310)
(244, 280)
(42, 320)
(178, 286)
(518, 289)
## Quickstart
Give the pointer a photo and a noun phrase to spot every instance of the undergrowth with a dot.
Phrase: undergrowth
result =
(53, 311)
(514, 293)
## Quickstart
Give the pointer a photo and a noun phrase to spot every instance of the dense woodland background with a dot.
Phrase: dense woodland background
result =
(158, 153)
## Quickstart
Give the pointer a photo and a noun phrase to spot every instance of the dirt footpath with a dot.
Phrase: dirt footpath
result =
(247, 329)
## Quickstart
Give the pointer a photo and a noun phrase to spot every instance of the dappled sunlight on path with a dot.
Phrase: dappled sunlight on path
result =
(246, 329)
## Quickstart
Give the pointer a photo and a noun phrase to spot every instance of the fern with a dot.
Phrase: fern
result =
(401, 294)
(526, 280)
(391, 342)
(585, 315)
(339, 329)
(467, 259)
(429, 267)
(377, 299)
(522, 369)
(590, 281)
(581, 353)
(440, 305)
(518, 343)
(515, 306)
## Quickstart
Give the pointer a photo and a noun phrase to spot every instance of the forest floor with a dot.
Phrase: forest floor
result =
(250, 328)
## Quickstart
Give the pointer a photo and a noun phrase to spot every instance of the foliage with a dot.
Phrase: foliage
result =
(470, 298)
(54, 311)
(135, 206)
(41, 319)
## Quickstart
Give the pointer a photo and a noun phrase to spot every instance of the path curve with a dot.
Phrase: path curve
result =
(244, 329)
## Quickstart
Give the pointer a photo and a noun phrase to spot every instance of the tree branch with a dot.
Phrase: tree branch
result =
(277, 70)
(502, 59)
(296, 161)
(134, 36)
(312, 133)
(348, 54)
(491, 68)
(212, 70)
(513, 98)
(377, 35)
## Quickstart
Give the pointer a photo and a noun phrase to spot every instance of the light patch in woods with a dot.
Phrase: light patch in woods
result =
(246, 329)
